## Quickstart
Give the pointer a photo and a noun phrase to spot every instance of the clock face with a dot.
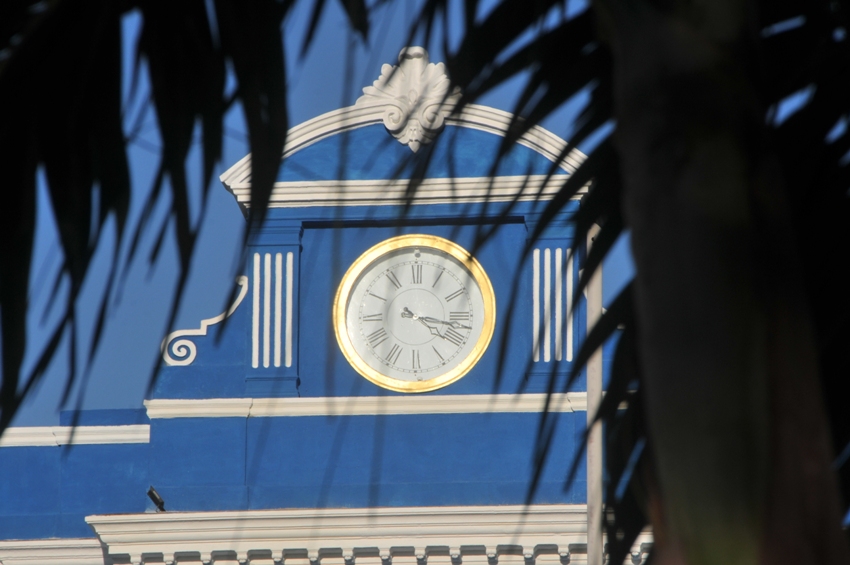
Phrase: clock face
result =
(414, 313)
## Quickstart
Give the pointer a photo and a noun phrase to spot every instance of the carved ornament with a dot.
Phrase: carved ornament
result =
(179, 343)
(417, 95)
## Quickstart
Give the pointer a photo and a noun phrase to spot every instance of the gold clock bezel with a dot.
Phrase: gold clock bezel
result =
(372, 255)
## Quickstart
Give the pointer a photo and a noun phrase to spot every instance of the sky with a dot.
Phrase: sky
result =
(330, 76)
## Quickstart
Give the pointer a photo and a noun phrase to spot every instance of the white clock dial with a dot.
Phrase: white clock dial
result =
(414, 313)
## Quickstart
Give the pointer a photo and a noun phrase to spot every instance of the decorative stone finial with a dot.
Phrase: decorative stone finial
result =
(416, 96)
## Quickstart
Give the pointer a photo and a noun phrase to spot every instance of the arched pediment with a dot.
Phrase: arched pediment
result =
(336, 158)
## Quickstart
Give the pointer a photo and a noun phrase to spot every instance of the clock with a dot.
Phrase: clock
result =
(414, 313)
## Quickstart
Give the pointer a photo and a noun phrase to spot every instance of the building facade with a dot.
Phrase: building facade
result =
(373, 394)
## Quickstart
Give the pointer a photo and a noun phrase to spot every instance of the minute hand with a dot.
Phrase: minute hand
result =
(453, 324)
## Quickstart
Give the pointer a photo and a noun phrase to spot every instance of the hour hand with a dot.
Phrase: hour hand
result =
(406, 313)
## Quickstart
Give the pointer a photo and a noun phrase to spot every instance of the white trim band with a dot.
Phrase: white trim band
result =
(255, 319)
(299, 194)
(278, 307)
(289, 302)
(535, 305)
(68, 435)
(267, 304)
(364, 405)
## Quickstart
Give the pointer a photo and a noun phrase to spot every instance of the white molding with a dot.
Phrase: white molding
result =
(298, 194)
(185, 349)
(430, 404)
(237, 178)
(207, 408)
(88, 435)
(70, 435)
(436, 535)
(363, 405)
(85, 551)
(28, 436)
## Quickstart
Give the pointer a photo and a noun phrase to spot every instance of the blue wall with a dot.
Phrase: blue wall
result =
(205, 464)
(404, 460)
(370, 153)
(349, 461)
(357, 461)
(48, 491)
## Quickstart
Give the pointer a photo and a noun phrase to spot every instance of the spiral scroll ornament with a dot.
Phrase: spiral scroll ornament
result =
(178, 350)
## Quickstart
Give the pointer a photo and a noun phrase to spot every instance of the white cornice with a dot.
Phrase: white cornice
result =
(394, 192)
(53, 551)
(345, 536)
(334, 535)
(80, 435)
(483, 118)
(363, 405)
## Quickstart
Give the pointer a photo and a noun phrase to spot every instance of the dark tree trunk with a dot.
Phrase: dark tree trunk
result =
(734, 409)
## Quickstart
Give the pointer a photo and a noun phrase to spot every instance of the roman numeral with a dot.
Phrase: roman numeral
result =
(378, 297)
(379, 317)
(437, 279)
(438, 353)
(459, 316)
(453, 336)
(377, 337)
(394, 354)
(417, 273)
(454, 295)
(393, 279)
(414, 359)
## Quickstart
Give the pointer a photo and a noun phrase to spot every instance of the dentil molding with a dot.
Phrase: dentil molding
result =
(471, 535)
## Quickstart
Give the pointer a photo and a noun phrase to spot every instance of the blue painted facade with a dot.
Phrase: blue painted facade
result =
(230, 463)
(47, 492)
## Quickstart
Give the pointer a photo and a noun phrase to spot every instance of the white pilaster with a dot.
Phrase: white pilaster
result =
(594, 441)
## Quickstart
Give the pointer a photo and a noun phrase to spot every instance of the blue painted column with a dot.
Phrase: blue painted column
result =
(556, 320)
(273, 269)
